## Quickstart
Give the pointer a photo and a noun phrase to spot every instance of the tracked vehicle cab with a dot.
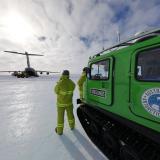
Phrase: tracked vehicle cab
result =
(121, 103)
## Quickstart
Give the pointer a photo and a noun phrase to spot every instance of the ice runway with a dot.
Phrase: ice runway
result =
(28, 119)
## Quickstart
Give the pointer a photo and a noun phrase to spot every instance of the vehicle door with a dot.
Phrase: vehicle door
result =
(100, 81)
(145, 83)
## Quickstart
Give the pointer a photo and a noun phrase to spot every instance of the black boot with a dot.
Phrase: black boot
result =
(56, 131)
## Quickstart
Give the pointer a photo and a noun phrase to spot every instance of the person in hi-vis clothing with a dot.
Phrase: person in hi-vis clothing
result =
(81, 81)
(64, 90)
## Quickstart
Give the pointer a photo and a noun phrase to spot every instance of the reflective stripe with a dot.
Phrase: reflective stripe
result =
(60, 125)
(64, 105)
(64, 93)
(71, 121)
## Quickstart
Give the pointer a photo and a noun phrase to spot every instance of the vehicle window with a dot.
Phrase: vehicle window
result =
(148, 65)
(100, 70)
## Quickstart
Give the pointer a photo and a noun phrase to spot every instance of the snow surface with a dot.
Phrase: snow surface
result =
(28, 119)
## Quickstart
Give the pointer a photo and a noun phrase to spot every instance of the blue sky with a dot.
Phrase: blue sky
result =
(67, 32)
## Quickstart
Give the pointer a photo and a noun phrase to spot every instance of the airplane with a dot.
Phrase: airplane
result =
(29, 71)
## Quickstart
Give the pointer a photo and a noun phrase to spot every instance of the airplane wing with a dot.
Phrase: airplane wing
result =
(11, 71)
(15, 73)
(47, 72)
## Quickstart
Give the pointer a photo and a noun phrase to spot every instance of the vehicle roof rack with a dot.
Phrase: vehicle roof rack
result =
(142, 36)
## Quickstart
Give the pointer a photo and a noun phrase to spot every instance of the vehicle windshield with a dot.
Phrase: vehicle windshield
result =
(148, 65)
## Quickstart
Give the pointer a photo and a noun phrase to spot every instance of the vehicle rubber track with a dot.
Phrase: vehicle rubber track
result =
(115, 139)
(85, 122)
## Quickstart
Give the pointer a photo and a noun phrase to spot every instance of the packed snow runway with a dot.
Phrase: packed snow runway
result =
(28, 119)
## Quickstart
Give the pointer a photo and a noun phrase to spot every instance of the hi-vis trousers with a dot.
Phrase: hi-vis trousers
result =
(60, 117)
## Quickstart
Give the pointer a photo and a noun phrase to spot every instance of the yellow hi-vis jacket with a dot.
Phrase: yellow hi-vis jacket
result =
(64, 90)
(80, 83)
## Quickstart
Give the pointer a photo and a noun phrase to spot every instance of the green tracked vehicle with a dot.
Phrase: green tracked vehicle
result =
(120, 109)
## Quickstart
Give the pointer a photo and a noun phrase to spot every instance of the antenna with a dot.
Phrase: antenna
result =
(103, 36)
(26, 54)
(118, 36)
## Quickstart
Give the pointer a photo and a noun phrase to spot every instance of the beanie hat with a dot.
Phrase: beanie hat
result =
(85, 69)
(65, 72)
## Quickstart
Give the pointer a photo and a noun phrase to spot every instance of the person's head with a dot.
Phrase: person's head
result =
(65, 73)
(84, 69)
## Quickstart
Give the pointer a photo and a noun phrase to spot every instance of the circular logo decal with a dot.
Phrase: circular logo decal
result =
(151, 101)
